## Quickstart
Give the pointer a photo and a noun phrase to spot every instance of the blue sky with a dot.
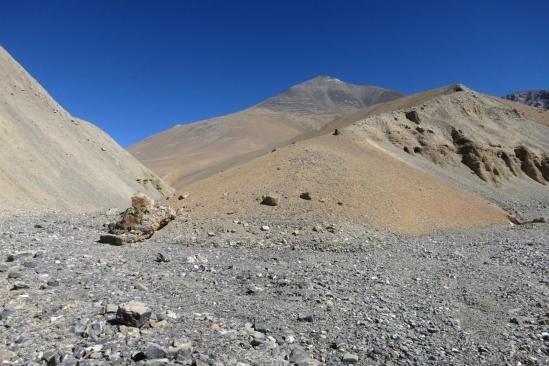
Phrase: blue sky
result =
(135, 68)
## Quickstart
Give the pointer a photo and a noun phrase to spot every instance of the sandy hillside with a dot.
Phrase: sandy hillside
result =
(187, 153)
(347, 178)
(51, 160)
(438, 159)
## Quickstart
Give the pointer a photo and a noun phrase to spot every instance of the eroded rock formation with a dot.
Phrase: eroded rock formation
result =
(139, 222)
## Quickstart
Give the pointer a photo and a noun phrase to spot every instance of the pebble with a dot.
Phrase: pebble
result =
(305, 317)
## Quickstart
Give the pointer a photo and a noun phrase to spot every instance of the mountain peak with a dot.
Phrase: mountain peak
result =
(324, 78)
(327, 95)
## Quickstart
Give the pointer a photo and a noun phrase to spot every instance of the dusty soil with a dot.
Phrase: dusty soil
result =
(347, 179)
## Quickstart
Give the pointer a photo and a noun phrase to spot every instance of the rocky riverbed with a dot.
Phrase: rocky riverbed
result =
(245, 292)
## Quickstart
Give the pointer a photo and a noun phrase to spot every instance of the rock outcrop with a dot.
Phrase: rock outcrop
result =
(494, 140)
(139, 222)
(534, 98)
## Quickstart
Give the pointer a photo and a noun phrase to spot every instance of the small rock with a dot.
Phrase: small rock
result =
(14, 274)
(252, 289)
(94, 329)
(305, 317)
(133, 314)
(193, 259)
(141, 287)
(158, 324)
(349, 358)
(301, 357)
(51, 358)
(271, 199)
(179, 348)
(305, 196)
(110, 309)
(260, 326)
(161, 258)
(53, 283)
(19, 286)
(6, 356)
(22, 340)
(111, 239)
(5, 313)
(265, 228)
(152, 351)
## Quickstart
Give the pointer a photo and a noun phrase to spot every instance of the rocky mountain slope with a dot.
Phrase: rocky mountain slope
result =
(482, 143)
(534, 98)
(52, 160)
(433, 160)
(187, 153)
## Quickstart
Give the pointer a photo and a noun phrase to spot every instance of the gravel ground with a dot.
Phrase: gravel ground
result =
(227, 292)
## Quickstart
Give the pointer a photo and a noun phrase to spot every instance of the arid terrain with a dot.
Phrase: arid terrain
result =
(187, 153)
(332, 224)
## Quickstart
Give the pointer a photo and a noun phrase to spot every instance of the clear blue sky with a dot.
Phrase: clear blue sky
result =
(135, 68)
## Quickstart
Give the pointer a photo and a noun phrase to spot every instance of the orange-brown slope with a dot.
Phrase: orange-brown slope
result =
(348, 178)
